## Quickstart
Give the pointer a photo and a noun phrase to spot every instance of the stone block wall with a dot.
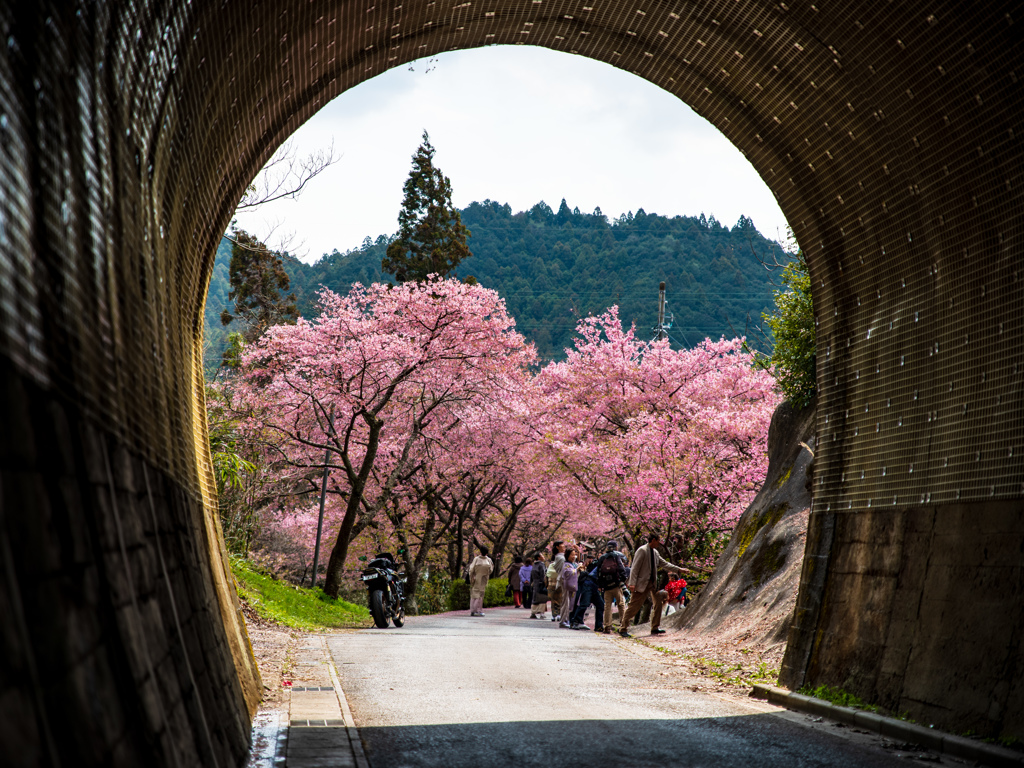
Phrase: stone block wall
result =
(921, 613)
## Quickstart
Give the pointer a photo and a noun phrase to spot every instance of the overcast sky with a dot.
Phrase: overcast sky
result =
(515, 124)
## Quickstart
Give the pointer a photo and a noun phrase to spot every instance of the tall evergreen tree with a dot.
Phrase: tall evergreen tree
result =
(431, 236)
(258, 282)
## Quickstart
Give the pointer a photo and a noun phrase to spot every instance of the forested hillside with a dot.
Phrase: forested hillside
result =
(216, 300)
(555, 267)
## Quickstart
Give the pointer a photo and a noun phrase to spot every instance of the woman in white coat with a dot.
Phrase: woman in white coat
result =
(479, 572)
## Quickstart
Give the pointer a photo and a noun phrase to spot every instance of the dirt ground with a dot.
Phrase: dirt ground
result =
(273, 646)
(718, 665)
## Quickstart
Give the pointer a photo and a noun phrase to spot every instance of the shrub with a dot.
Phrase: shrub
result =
(433, 595)
(458, 596)
(495, 594)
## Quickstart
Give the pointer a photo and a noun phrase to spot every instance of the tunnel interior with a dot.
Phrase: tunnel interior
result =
(889, 133)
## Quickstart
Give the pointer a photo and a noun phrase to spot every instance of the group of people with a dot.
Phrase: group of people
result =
(572, 585)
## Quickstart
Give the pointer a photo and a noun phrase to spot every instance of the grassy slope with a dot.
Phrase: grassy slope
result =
(306, 609)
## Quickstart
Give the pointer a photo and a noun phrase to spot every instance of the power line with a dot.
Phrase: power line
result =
(618, 294)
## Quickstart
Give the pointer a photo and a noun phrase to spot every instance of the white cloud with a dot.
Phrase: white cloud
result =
(516, 124)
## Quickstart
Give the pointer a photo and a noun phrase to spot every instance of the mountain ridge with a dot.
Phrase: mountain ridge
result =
(554, 268)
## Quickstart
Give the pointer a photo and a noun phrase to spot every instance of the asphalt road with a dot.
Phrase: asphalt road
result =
(452, 691)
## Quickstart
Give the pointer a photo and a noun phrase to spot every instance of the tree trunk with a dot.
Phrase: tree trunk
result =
(460, 549)
(451, 560)
(336, 564)
(414, 565)
(504, 534)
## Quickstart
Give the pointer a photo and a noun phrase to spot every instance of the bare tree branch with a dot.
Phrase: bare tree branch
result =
(286, 175)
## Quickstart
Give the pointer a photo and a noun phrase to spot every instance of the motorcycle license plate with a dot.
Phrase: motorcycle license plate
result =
(370, 577)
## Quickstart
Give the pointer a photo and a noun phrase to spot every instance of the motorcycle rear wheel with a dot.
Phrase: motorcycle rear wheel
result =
(399, 617)
(380, 617)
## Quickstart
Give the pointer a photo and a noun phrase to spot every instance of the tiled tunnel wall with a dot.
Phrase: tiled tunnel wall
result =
(890, 133)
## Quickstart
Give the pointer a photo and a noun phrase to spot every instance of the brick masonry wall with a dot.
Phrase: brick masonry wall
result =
(890, 133)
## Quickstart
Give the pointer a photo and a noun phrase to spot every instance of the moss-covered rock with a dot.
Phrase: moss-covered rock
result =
(768, 561)
(750, 529)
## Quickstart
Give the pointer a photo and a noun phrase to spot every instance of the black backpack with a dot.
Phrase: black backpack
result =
(610, 573)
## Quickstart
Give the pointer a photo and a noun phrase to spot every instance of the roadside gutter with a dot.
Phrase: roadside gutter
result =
(892, 728)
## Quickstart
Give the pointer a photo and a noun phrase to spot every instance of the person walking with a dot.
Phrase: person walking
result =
(515, 583)
(643, 584)
(479, 572)
(611, 577)
(569, 583)
(553, 575)
(589, 594)
(538, 578)
(524, 581)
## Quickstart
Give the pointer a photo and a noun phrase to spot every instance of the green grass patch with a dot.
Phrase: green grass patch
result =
(297, 607)
(838, 696)
(844, 699)
(1010, 742)
(742, 675)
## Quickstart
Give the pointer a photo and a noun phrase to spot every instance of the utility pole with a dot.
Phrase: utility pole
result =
(323, 498)
(661, 329)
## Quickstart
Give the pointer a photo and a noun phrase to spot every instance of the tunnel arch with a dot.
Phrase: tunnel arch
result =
(890, 134)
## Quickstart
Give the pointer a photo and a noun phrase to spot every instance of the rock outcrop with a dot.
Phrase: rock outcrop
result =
(750, 597)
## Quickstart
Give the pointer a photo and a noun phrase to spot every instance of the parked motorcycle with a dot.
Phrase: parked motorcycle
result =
(387, 595)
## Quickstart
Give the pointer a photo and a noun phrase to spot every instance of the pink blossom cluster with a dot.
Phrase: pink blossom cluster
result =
(437, 429)
(667, 440)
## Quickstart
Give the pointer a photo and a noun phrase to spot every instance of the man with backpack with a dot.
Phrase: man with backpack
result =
(589, 594)
(611, 576)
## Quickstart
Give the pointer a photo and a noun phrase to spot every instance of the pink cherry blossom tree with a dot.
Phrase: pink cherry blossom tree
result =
(438, 433)
(663, 439)
(368, 378)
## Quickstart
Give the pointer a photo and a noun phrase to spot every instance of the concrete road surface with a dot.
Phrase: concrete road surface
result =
(451, 691)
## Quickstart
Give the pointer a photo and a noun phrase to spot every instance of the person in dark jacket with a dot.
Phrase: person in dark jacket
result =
(589, 595)
(524, 580)
(538, 584)
(612, 584)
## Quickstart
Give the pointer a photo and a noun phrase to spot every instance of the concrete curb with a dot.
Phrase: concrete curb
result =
(320, 728)
(890, 727)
